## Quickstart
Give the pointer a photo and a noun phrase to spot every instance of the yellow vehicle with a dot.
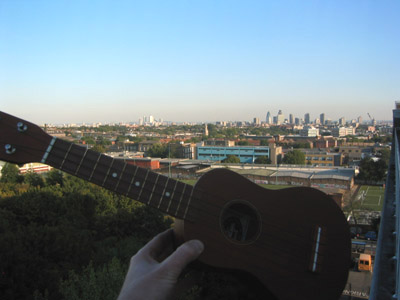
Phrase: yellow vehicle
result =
(365, 263)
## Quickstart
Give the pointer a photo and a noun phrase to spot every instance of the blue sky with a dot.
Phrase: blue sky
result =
(87, 61)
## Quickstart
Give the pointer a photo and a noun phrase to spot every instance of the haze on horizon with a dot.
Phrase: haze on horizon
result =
(116, 61)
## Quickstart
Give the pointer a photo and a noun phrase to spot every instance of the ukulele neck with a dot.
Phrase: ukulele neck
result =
(166, 194)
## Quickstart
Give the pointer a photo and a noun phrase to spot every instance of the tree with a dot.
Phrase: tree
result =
(10, 174)
(99, 148)
(54, 177)
(262, 160)
(231, 159)
(34, 179)
(158, 150)
(294, 157)
(243, 143)
(371, 170)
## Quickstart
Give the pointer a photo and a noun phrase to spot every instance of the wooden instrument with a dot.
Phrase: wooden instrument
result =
(296, 241)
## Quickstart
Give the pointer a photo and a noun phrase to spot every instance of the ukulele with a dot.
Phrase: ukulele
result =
(295, 241)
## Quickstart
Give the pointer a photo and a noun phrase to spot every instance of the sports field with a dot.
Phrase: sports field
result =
(371, 197)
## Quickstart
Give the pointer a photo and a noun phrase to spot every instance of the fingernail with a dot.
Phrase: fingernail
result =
(197, 245)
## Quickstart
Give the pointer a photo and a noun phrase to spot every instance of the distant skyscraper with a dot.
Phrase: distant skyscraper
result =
(322, 118)
(307, 118)
(280, 119)
(256, 121)
(291, 120)
(342, 121)
(297, 121)
(359, 120)
(268, 119)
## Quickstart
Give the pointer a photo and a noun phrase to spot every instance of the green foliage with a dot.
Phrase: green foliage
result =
(385, 155)
(46, 233)
(99, 148)
(10, 174)
(231, 159)
(372, 171)
(243, 143)
(103, 282)
(294, 157)
(158, 150)
(301, 145)
(262, 160)
(54, 177)
(34, 179)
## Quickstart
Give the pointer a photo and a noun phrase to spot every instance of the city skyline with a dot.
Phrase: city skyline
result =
(103, 61)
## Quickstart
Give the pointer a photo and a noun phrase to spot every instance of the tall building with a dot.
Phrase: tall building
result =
(256, 121)
(291, 120)
(342, 121)
(359, 120)
(280, 118)
(307, 118)
(297, 121)
(322, 118)
(268, 119)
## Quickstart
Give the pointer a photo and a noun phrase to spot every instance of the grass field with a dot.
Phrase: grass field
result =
(371, 197)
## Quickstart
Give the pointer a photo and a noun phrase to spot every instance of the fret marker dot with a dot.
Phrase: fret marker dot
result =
(167, 194)
(137, 183)
(115, 175)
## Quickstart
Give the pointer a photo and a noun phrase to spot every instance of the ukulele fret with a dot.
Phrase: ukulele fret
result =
(172, 196)
(163, 193)
(187, 206)
(66, 154)
(143, 183)
(120, 177)
(154, 187)
(131, 182)
(108, 172)
(180, 199)
(94, 168)
(80, 163)
(137, 184)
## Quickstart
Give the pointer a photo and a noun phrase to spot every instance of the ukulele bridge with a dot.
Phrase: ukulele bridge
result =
(318, 241)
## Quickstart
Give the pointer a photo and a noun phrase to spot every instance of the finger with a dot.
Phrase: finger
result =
(156, 246)
(185, 253)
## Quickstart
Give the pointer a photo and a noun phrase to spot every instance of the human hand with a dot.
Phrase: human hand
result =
(152, 277)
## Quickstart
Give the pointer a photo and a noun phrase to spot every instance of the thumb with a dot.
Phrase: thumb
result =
(182, 256)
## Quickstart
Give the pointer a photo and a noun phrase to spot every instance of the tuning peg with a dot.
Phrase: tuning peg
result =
(22, 127)
(9, 149)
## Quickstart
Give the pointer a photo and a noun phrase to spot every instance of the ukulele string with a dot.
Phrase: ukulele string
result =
(205, 210)
(203, 207)
(199, 208)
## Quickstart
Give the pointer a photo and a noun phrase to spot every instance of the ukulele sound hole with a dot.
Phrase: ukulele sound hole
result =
(240, 222)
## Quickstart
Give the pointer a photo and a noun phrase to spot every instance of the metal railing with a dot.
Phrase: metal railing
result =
(386, 277)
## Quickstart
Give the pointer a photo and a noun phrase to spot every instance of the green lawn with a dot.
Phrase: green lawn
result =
(371, 197)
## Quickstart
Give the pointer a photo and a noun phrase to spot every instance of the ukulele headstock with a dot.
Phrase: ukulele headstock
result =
(21, 141)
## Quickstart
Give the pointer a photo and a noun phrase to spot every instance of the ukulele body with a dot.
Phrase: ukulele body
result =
(296, 241)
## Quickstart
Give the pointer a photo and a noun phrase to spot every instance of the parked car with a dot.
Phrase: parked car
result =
(371, 235)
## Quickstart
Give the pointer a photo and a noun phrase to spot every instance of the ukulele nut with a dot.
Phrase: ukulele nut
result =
(22, 127)
(9, 149)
